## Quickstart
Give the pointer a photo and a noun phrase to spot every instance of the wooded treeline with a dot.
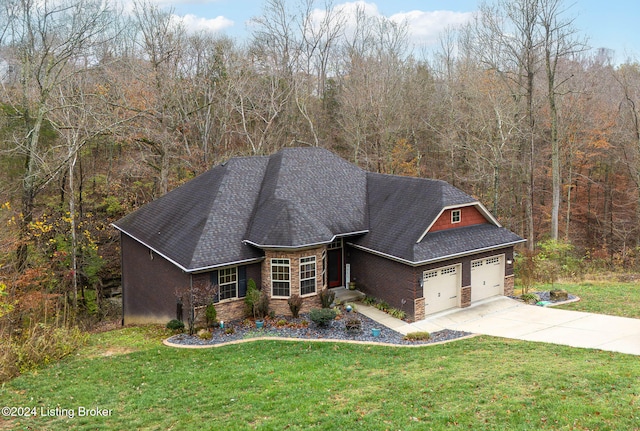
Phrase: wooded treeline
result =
(103, 111)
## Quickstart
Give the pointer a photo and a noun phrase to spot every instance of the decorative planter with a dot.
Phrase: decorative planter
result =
(259, 324)
(375, 332)
(352, 285)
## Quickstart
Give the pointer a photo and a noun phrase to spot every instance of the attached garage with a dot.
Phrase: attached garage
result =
(487, 277)
(441, 288)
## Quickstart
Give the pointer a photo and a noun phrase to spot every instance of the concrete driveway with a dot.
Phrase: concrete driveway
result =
(505, 317)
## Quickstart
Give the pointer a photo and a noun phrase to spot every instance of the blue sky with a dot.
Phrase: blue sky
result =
(612, 24)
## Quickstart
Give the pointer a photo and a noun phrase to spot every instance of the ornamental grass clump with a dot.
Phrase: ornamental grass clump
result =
(327, 297)
(530, 298)
(417, 336)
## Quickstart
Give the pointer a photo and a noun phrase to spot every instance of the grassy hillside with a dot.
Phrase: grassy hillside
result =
(478, 383)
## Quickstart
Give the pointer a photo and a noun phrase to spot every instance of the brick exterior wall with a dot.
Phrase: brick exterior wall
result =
(393, 281)
(230, 309)
(280, 305)
(386, 279)
(150, 285)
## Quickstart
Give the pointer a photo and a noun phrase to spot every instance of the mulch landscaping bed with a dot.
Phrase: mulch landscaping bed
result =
(304, 328)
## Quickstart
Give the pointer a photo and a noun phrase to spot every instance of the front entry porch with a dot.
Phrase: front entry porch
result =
(345, 295)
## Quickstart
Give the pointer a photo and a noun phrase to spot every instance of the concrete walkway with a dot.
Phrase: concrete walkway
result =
(504, 317)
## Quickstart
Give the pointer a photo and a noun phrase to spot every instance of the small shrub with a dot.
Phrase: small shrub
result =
(353, 325)
(251, 299)
(175, 325)
(211, 314)
(417, 336)
(281, 323)
(295, 304)
(322, 316)
(263, 306)
(327, 297)
(230, 330)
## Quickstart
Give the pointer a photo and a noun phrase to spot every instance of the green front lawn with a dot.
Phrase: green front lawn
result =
(602, 297)
(478, 383)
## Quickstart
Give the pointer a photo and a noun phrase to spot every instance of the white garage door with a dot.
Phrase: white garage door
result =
(487, 277)
(441, 289)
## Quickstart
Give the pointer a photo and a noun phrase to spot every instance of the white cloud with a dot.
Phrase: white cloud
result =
(195, 23)
(425, 26)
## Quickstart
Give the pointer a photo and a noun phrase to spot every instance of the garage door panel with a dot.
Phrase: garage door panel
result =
(441, 288)
(487, 277)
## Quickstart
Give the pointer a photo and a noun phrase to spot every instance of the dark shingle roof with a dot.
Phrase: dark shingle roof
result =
(296, 197)
(202, 223)
(463, 240)
(308, 196)
(401, 209)
(299, 197)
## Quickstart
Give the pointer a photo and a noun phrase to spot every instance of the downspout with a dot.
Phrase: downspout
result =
(192, 316)
(122, 280)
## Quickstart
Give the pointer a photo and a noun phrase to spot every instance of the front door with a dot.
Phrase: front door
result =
(334, 270)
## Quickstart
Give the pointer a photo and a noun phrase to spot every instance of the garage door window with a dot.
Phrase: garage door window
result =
(430, 274)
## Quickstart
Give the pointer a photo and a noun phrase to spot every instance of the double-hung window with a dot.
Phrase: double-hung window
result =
(228, 283)
(307, 275)
(280, 277)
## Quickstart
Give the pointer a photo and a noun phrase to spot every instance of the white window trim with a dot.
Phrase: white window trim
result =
(453, 214)
(288, 265)
(233, 298)
(314, 278)
(324, 268)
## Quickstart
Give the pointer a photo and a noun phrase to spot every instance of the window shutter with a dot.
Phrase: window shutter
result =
(214, 282)
(242, 281)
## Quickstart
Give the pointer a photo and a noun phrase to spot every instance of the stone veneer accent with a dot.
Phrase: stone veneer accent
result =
(280, 305)
(465, 297)
(418, 307)
(509, 285)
